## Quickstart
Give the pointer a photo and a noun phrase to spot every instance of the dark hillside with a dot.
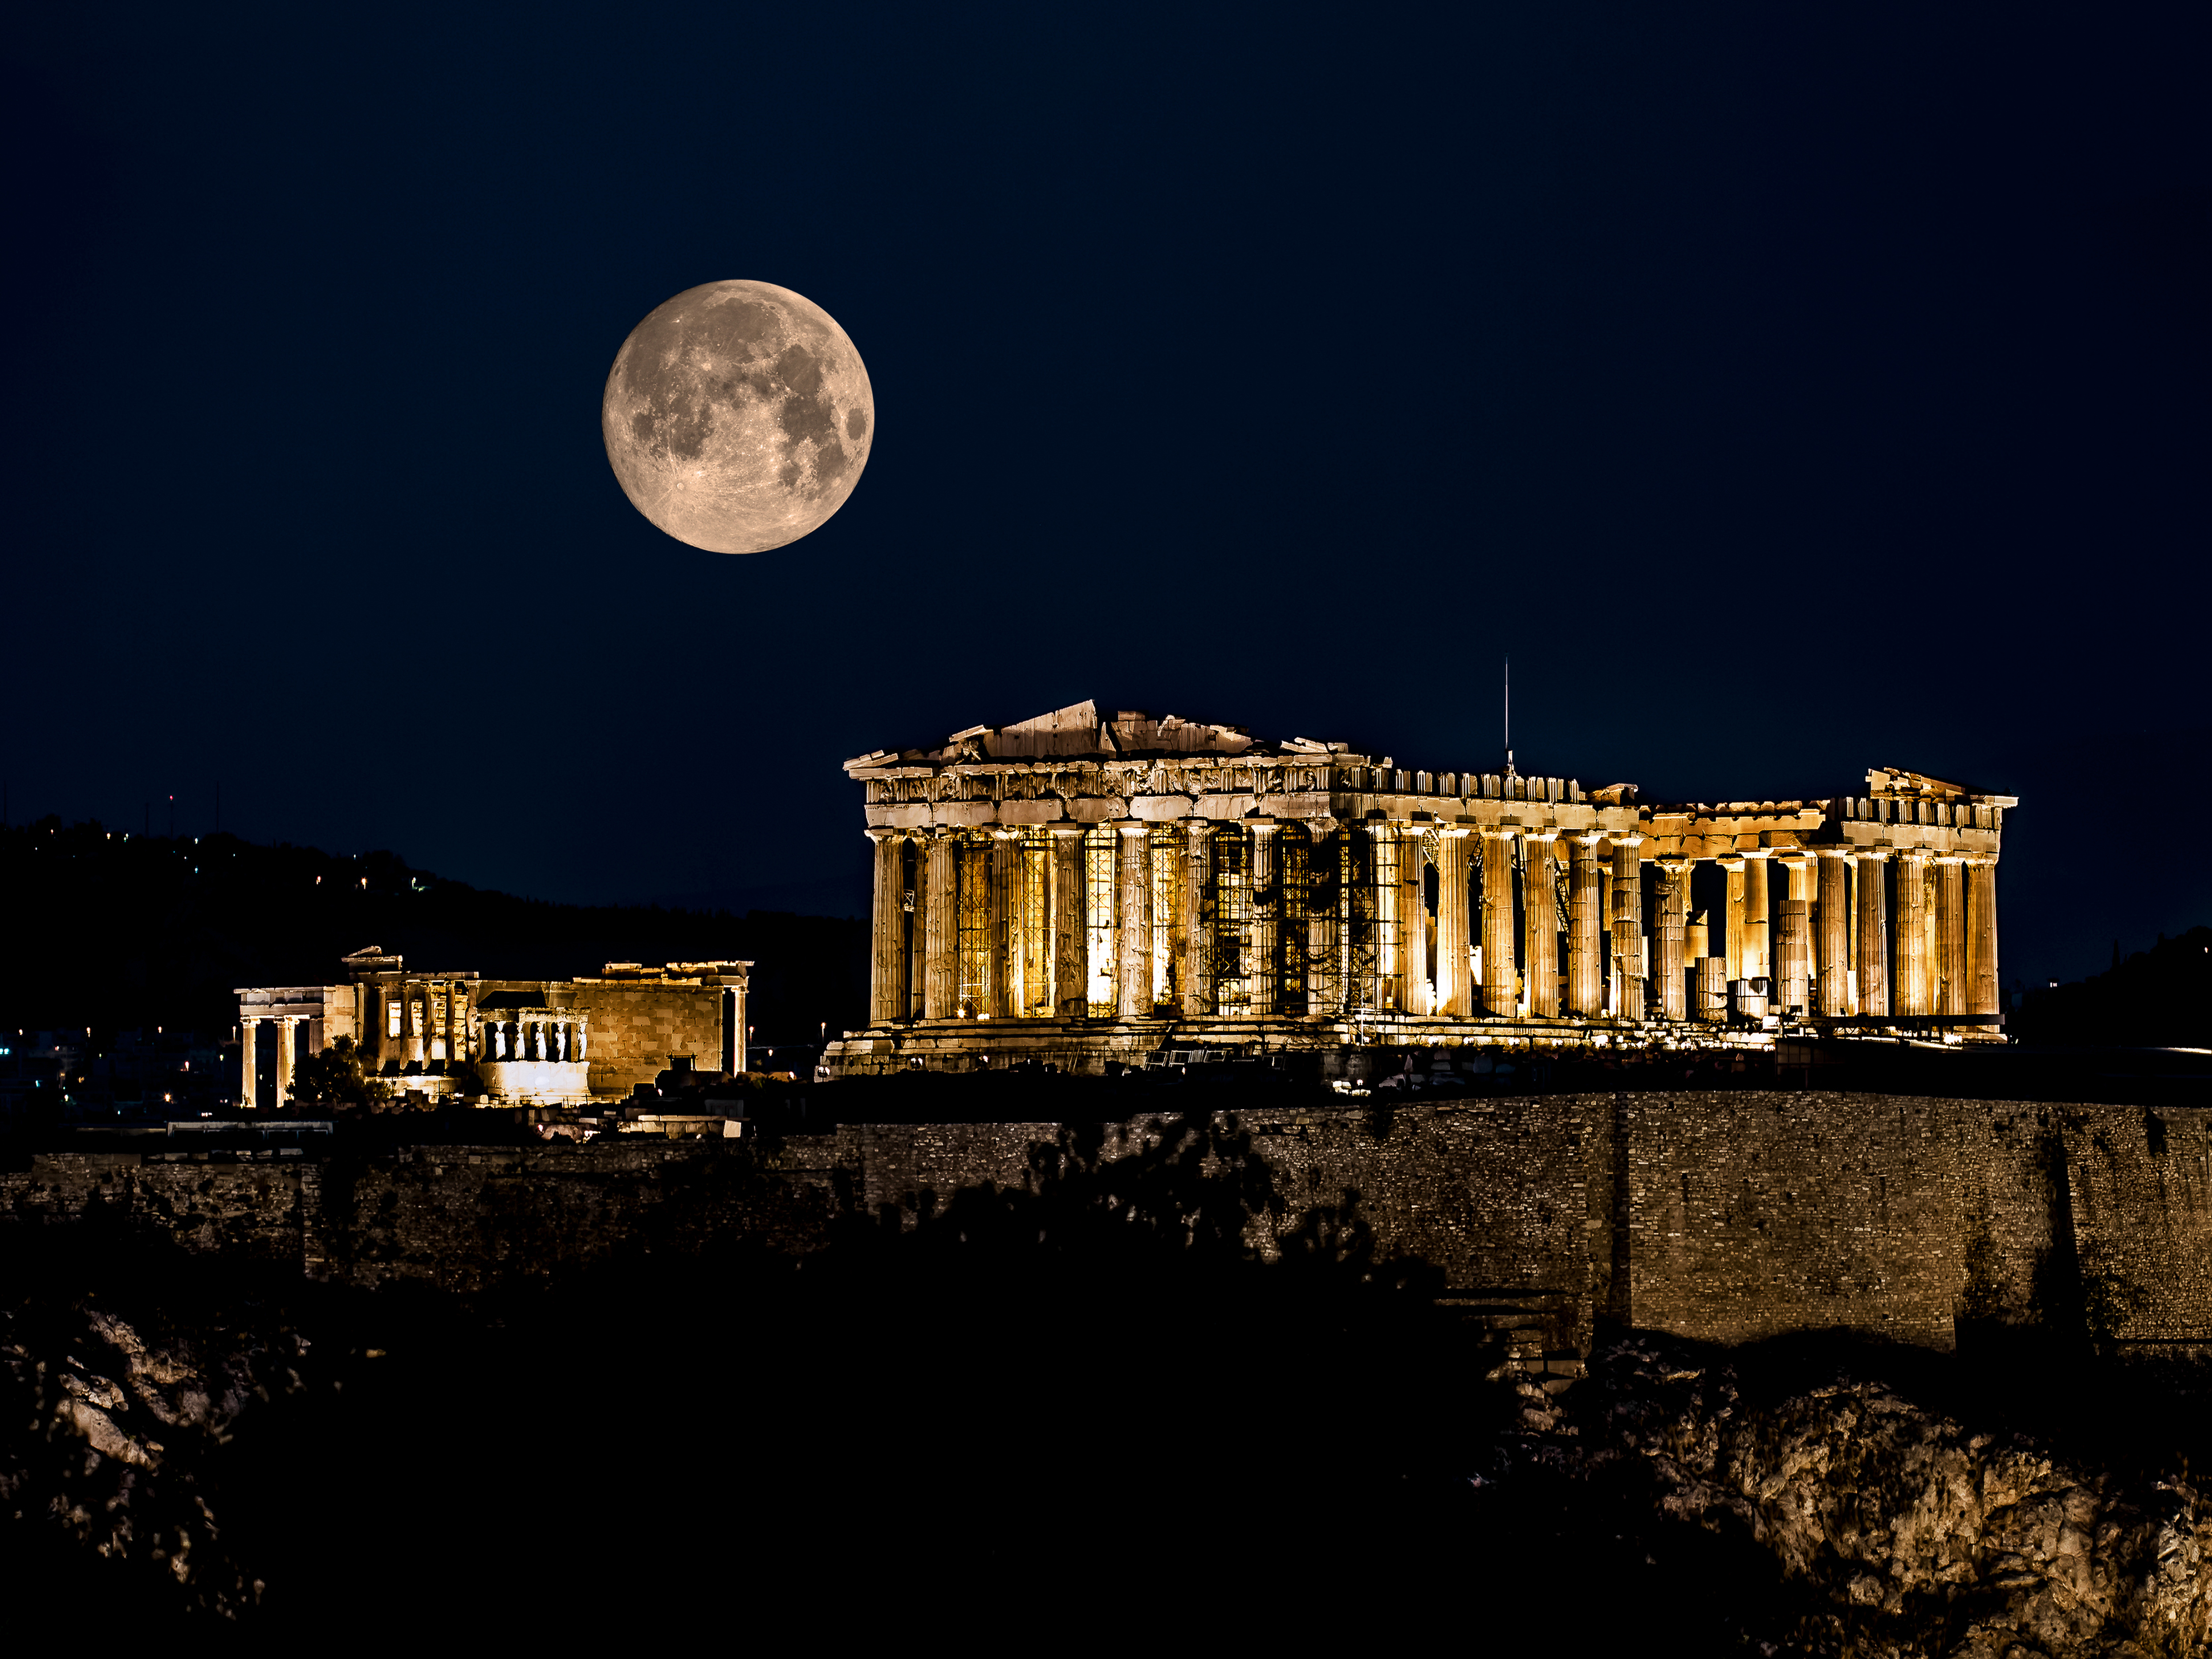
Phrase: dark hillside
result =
(2162, 996)
(114, 930)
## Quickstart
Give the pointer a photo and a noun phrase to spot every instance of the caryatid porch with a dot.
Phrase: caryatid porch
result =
(1072, 874)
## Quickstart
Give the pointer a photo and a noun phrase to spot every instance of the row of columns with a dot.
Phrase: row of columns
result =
(249, 1079)
(1849, 954)
(417, 1026)
(555, 1041)
(1766, 938)
(1960, 979)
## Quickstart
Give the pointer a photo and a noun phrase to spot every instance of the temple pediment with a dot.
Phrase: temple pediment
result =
(1895, 781)
(1080, 731)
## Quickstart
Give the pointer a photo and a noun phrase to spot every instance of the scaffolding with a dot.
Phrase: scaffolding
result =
(1293, 880)
(1030, 950)
(1228, 926)
(1104, 937)
(976, 932)
(1383, 979)
(1166, 843)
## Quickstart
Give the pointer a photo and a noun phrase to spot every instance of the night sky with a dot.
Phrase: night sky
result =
(1787, 396)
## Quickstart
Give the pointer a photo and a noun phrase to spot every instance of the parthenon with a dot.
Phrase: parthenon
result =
(1081, 889)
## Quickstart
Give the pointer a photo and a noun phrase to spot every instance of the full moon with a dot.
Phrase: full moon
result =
(737, 417)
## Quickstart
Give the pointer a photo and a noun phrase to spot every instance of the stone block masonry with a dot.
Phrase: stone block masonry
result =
(640, 1029)
(1726, 1217)
(1750, 1215)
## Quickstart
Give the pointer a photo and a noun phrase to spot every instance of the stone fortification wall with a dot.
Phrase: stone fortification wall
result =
(2138, 1186)
(1492, 1193)
(467, 1218)
(1727, 1217)
(257, 1207)
(1750, 1214)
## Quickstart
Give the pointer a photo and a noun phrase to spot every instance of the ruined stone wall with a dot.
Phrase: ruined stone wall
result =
(636, 1030)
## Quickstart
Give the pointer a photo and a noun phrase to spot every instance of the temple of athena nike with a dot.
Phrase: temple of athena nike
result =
(1079, 890)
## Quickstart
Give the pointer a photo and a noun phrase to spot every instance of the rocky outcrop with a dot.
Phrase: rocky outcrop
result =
(1913, 1533)
(110, 1435)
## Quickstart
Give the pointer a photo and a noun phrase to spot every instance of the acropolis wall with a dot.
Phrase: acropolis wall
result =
(1726, 1216)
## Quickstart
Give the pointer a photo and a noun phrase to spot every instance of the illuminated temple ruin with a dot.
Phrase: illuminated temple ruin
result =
(1077, 890)
(567, 1042)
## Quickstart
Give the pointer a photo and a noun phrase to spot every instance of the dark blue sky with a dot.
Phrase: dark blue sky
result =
(1789, 396)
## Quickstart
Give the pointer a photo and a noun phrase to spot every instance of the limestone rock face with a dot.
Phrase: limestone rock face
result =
(1925, 1537)
(110, 1438)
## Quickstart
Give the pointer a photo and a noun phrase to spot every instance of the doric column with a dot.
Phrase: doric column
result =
(1627, 928)
(1500, 998)
(1070, 930)
(1540, 910)
(887, 991)
(1757, 953)
(1910, 996)
(1455, 985)
(1712, 990)
(1982, 937)
(1262, 973)
(453, 1025)
(1874, 935)
(1832, 961)
(249, 1042)
(1195, 970)
(413, 995)
(1006, 873)
(1670, 894)
(1585, 929)
(1132, 867)
(1951, 987)
(1417, 996)
(940, 927)
(379, 992)
(1732, 917)
(285, 1026)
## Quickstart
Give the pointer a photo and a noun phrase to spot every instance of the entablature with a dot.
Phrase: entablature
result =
(1075, 766)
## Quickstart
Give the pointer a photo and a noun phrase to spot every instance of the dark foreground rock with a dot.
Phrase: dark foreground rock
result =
(1902, 1529)
(111, 1480)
